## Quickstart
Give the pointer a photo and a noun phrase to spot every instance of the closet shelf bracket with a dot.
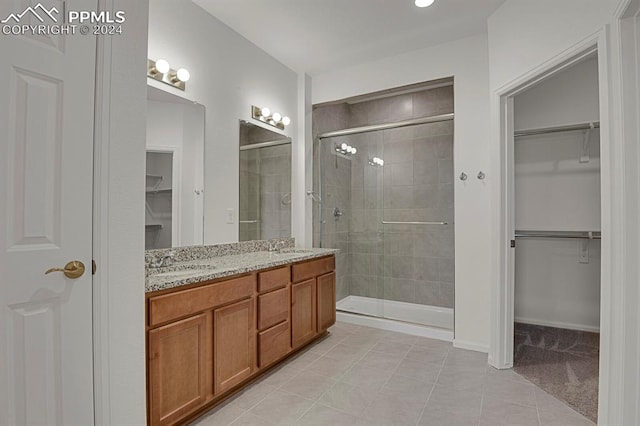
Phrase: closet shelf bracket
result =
(584, 155)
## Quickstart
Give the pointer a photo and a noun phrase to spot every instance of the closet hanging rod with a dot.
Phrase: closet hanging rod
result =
(249, 221)
(588, 235)
(384, 222)
(546, 130)
(387, 126)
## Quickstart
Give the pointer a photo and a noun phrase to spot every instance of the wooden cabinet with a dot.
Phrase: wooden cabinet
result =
(180, 368)
(273, 308)
(207, 340)
(274, 302)
(234, 344)
(303, 312)
(274, 344)
(326, 286)
(313, 301)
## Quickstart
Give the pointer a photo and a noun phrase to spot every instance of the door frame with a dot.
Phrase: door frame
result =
(118, 219)
(502, 312)
(619, 81)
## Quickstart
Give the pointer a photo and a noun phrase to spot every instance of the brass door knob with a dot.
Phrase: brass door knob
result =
(73, 269)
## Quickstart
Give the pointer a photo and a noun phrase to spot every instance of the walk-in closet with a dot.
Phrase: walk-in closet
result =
(557, 235)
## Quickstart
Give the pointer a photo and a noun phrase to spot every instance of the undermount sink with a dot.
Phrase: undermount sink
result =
(187, 271)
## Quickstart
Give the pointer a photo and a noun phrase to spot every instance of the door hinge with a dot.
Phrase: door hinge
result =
(94, 267)
(513, 243)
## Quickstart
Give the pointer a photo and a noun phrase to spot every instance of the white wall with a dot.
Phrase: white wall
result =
(467, 61)
(228, 75)
(525, 34)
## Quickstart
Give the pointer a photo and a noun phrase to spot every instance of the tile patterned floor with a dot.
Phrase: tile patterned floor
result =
(364, 376)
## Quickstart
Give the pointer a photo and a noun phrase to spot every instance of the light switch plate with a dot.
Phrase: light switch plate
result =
(231, 216)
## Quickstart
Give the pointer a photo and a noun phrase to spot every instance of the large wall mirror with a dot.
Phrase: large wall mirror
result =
(174, 192)
(265, 184)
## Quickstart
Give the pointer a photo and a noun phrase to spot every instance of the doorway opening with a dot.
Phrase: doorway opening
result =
(555, 248)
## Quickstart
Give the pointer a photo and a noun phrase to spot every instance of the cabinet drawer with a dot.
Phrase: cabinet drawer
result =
(273, 344)
(273, 308)
(306, 270)
(182, 303)
(273, 279)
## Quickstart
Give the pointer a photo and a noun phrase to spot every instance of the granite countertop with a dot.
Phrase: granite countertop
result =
(194, 271)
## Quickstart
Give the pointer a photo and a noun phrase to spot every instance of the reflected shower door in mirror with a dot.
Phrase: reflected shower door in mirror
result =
(175, 171)
(265, 184)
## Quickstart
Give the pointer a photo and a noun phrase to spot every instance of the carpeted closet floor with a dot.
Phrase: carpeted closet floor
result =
(562, 362)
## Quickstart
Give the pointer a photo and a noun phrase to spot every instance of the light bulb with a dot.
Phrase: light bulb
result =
(381, 162)
(424, 3)
(353, 150)
(162, 66)
(265, 112)
(286, 120)
(183, 75)
(344, 146)
(277, 117)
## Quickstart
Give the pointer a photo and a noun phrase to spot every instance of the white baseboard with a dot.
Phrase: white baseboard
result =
(471, 346)
(558, 324)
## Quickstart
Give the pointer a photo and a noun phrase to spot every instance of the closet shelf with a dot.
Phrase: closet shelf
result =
(159, 191)
(155, 181)
(587, 235)
(153, 227)
(569, 128)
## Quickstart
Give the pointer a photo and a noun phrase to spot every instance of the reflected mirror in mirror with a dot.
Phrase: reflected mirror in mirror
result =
(265, 184)
(174, 191)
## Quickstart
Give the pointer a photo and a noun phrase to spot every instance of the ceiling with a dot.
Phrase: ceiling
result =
(324, 35)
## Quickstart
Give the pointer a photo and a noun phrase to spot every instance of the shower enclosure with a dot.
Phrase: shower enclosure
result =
(265, 192)
(386, 200)
(265, 184)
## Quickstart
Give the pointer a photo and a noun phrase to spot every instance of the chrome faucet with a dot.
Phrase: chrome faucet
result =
(161, 261)
(276, 246)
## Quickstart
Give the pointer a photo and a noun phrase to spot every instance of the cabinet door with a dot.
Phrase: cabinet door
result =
(303, 312)
(180, 368)
(234, 344)
(326, 301)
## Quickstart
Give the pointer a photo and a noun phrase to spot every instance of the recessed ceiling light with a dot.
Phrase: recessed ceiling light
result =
(424, 3)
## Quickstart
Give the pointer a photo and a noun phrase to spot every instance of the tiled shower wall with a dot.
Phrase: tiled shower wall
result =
(409, 263)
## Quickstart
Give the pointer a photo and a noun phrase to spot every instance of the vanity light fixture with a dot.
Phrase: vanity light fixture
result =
(376, 162)
(424, 3)
(161, 71)
(345, 149)
(274, 119)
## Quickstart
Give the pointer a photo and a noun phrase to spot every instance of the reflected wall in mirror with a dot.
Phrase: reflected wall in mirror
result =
(265, 184)
(175, 171)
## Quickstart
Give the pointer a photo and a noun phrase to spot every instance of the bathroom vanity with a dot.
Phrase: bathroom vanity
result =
(216, 323)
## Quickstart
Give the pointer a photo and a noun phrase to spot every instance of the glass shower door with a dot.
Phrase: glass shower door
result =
(350, 181)
(387, 203)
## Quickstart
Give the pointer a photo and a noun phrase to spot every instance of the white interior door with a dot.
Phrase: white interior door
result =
(46, 166)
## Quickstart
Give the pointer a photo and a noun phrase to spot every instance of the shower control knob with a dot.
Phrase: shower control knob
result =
(463, 176)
